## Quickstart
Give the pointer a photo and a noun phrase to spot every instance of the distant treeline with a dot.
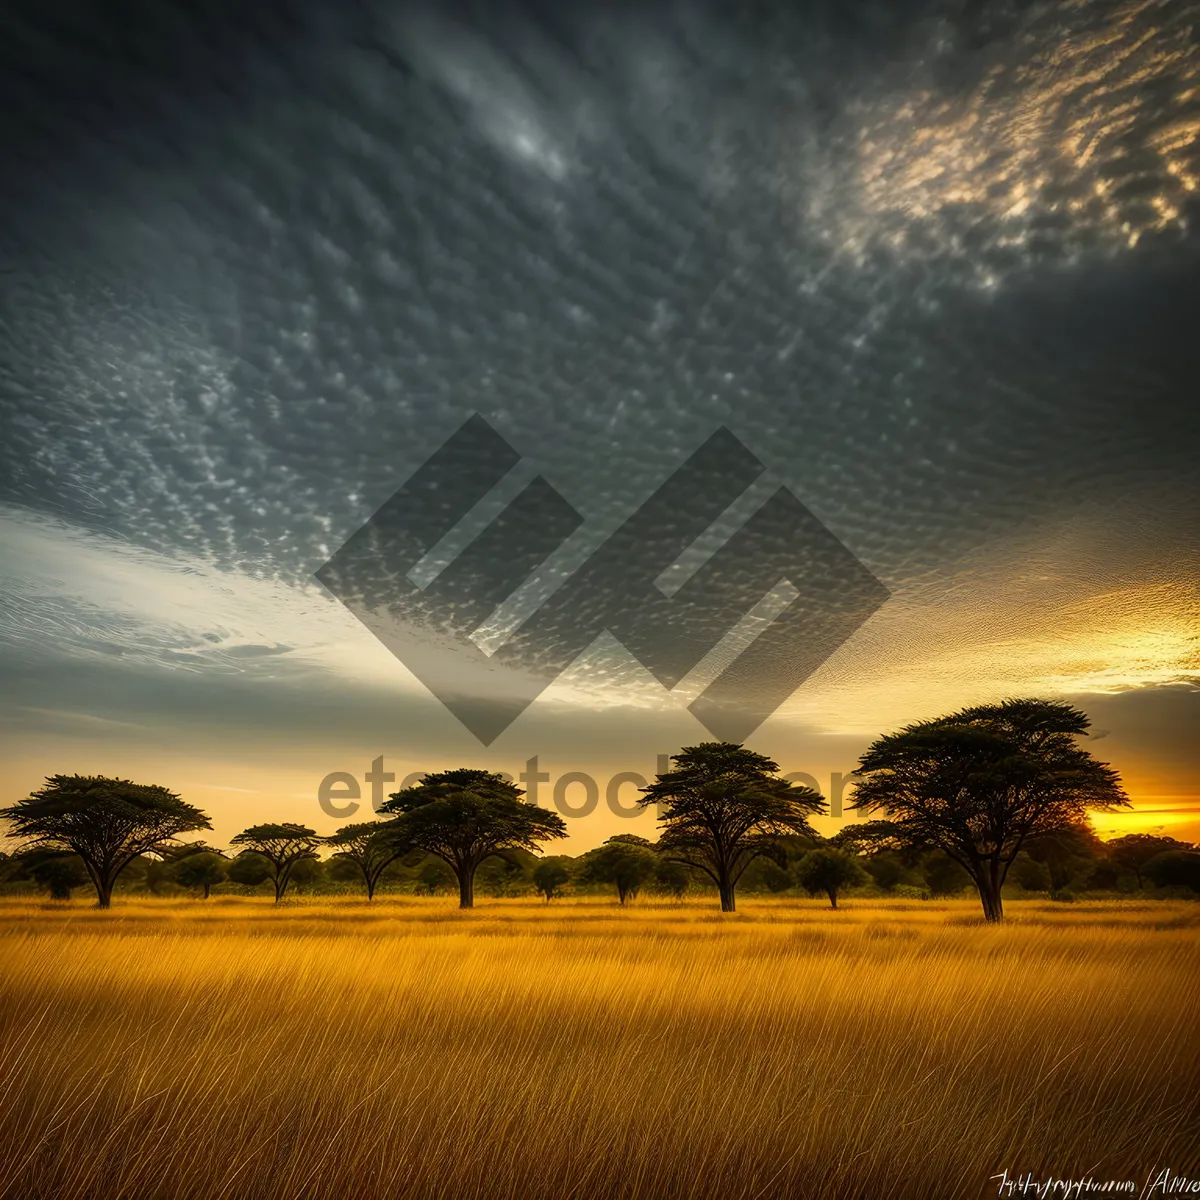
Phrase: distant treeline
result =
(993, 799)
(1065, 867)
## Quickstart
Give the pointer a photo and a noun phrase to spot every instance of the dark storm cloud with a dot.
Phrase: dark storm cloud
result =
(262, 265)
(934, 268)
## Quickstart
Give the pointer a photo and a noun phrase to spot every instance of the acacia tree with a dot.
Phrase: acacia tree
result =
(464, 816)
(625, 860)
(724, 806)
(282, 846)
(1134, 850)
(829, 871)
(372, 846)
(106, 822)
(980, 783)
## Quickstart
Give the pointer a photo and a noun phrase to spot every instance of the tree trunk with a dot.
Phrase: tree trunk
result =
(728, 903)
(988, 882)
(466, 888)
(370, 888)
(832, 899)
(280, 886)
(104, 893)
(207, 889)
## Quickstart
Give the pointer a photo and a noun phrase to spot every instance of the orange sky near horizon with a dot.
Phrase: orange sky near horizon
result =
(1079, 610)
(236, 792)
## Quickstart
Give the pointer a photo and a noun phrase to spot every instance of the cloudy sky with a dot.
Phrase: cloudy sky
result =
(934, 265)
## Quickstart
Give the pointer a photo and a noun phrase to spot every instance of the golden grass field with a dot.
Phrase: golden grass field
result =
(335, 1049)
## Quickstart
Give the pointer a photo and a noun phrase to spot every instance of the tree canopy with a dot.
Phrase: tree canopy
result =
(830, 871)
(724, 806)
(549, 877)
(281, 846)
(1134, 850)
(204, 871)
(980, 783)
(625, 860)
(57, 872)
(1175, 868)
(248, 869)
(372, 846)
(871, 838)
(464, 816)
(106, 822)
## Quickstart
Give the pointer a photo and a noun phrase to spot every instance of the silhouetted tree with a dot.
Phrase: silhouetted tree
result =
(625, 860)
(980, 783)
(872, 839)
(550, 876)
(106, 822)
(829, 871)
(204, 870)
(465, 816)
(1103, 876)
(282, 846)
(723, 806)
(1174, 868)
(1068, 854)
(1134, 850)
(1030, 875)
(372, 846)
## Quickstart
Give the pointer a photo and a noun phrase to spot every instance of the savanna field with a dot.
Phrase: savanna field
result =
(331, 1048)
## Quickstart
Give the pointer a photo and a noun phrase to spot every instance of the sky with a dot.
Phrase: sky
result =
(934, 266)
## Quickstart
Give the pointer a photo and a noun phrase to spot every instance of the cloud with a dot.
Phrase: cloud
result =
(1071, 130)
(78, 595)
(237, 321)
(503, 106)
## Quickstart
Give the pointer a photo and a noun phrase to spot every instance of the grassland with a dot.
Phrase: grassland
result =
(405, 1049)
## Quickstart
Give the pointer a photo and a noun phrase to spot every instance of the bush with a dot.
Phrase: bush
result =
(944, 877)
(1029, 875)
(549, 877)
(57, 873)
(434, 877)
(248, 869)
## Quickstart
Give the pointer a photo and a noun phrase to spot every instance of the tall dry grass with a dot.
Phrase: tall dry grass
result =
(168, 1049)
